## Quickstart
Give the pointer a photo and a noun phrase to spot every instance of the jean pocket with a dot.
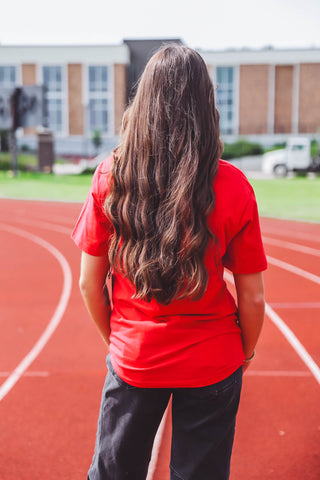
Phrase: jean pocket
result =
(116, 377)
(220, 389)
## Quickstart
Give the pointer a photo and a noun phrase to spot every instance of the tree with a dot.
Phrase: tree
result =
(96, 139)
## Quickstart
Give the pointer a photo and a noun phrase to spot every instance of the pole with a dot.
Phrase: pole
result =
(15, 124)
(13, 152)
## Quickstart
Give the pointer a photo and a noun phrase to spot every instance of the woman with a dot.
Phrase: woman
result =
(166, 215)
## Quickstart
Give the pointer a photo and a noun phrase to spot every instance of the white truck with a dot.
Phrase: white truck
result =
(295, 157)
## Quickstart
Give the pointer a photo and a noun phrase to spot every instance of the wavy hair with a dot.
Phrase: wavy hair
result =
(162, 174)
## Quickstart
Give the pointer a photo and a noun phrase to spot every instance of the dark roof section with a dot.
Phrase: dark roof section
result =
(140, 53)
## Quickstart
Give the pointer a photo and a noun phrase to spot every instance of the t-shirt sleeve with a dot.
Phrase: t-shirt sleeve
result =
(245, 252)
(92, 231)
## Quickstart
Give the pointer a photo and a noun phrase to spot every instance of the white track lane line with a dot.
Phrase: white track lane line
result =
(288, 334)
(46, 225)
(294, 342)
(278, 373)
(295, 305)
(291, 268)
(291, 246)
(57, 316)
(292, 234)
(27, 374)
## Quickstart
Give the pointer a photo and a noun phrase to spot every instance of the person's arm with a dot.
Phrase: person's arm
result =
(92, 286)
(251, 305)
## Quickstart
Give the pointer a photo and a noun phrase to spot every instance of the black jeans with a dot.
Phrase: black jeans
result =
(203, 424)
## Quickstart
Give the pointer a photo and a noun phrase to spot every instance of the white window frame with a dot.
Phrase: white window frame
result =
(63, 95)
(233, 126)
(17, 68)
(271, 98)
(296, 98)
(108, 95)
(17, 83)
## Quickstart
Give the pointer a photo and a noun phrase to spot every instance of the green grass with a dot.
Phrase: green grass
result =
(26, 161)
(297, 198)
(70, 188)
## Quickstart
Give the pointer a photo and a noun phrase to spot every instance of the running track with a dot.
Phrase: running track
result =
(52, 361)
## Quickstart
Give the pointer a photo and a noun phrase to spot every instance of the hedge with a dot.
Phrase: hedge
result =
(241, 148)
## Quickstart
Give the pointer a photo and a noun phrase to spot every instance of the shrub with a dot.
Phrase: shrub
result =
(241, 148)
(96, 139)
(314, 148)
(5, 164)
(4, 141)
(25, 148)
(25, 163)
(276, 146)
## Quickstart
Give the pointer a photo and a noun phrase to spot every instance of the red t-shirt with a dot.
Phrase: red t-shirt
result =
(186, 343)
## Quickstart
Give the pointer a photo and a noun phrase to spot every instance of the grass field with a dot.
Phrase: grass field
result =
(26, 161)
(296, 198)
(33, 185)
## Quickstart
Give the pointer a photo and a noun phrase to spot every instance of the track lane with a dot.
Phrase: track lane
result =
(65, 403)
(51, 420)
(21, 280)
(279, 421)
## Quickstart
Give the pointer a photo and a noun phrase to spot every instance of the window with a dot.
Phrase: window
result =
(99, 98)
(52, 80)
(7, 85)
(225, 98)
(8, 76)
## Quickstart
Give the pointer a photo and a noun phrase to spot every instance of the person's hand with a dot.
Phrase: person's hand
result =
(247, 361)
(245, 367)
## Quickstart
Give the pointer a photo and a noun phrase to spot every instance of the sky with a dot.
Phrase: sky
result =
(203, 24)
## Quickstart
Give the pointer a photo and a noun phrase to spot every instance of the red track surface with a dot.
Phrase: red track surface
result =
(48, 417)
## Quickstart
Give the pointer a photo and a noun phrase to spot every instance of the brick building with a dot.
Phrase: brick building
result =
(263, 95)
(86, 90)
(267, 94)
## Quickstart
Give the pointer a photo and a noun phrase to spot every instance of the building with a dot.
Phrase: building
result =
(263, 95)
(86, 90)
(140, 52)
(266, 94)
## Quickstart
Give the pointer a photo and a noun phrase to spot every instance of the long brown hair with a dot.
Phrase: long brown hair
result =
(161, 189)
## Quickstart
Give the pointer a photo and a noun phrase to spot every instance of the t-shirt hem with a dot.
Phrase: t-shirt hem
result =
(84, 247)
(243, 270)
(186, 383)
